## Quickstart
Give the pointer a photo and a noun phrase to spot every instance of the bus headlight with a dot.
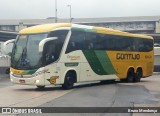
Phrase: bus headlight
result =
(37, 81)
(11, 80)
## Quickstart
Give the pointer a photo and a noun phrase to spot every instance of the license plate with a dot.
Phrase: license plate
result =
(22, 81)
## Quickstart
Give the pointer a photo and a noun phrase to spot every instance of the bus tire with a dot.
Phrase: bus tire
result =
(122, 80)
(138, 75)
(40, 87)
(69, 80)
(130, 76)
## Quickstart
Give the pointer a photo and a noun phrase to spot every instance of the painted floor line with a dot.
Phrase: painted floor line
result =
(27, 96)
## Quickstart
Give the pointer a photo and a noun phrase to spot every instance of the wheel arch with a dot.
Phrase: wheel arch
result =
(129, 68)
(139, 67)
(71, 70)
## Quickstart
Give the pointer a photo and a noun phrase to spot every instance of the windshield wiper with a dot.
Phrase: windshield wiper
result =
(23, 55)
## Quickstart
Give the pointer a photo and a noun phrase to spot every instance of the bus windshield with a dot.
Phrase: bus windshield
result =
(25, 54)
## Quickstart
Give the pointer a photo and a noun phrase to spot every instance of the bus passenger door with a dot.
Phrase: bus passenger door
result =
(52, 76)
(51, 55)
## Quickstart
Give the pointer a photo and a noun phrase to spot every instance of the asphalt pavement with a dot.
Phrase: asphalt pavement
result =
(5, 80)
(112, 94)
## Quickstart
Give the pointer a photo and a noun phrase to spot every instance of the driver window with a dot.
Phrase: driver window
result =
(52, 49)
(50, 54)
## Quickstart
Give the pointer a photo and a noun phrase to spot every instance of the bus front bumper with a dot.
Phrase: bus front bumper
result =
(22, 79)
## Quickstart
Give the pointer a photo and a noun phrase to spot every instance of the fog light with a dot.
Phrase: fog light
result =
(37, 81)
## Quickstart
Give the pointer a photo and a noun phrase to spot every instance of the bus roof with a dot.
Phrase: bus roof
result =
(43, 28)
(49, 27)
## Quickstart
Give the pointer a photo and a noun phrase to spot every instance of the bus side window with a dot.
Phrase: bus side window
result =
(90, 46)
(131, 46)
(148, 45)
(111, 44)
(76, 41)
(88, 41)
(145, 45)
(141, 46)
(71, 46)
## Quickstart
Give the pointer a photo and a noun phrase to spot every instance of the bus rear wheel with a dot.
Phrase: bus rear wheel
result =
(130, 76)
(138, 75)
(69, 81)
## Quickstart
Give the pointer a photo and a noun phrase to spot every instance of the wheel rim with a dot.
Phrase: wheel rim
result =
(130, 76)
(138, 75)
(69, 82)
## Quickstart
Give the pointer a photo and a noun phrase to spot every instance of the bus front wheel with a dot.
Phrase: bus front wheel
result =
(69, 81)
(130, 76)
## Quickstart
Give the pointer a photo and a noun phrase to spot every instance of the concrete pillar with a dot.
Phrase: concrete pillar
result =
(157, 27)
(20, 26)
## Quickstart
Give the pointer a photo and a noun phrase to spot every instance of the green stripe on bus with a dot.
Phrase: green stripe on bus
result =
(105, 62)
(94, 62)
(99, 62)
(83, 29)
(29, 71)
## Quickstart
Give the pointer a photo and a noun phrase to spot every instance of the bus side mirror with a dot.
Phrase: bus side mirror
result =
(44, 41)
(6, 45)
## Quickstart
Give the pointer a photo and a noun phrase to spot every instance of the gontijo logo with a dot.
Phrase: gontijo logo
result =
(73, 57)
(126, 56)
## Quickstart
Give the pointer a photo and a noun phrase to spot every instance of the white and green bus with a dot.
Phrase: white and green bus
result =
(64, 54)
